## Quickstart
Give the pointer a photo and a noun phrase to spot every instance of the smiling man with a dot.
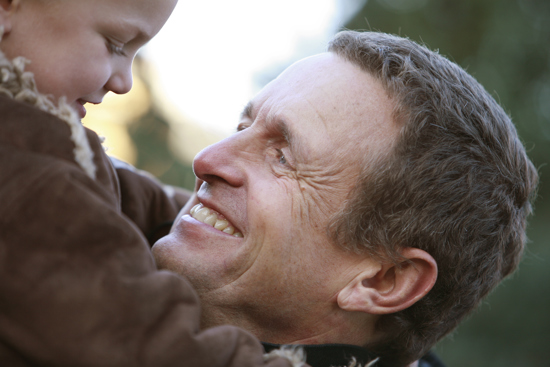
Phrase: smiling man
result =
(371, 197)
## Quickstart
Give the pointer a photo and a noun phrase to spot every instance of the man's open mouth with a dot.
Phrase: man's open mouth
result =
(213, 218)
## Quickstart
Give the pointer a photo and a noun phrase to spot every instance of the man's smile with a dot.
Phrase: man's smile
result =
(212, 218)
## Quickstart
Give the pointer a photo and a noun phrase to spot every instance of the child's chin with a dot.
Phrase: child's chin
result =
(80, 109)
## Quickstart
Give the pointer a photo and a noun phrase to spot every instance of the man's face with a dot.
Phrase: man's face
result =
(278, 181)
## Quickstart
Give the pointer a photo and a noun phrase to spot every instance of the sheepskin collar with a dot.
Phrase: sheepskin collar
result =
(331, 355)
(19, 84)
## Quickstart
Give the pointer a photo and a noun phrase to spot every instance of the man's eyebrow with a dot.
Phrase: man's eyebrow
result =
(294, 142)
(247, 111)
(281, 127)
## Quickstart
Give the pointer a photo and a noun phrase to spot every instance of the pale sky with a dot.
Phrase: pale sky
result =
(211, 54)
(209, 60)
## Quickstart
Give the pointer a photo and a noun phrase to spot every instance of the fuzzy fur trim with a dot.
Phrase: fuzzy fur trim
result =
(19, 84)
(297, 357)
(353, 363)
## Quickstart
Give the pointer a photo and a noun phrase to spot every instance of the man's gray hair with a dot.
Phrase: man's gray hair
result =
(457, 184)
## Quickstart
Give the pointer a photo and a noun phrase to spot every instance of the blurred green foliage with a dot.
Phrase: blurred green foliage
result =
(150, 135)
(505, 45)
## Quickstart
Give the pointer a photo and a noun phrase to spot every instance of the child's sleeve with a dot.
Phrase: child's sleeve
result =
(150, 204)
(78, 284)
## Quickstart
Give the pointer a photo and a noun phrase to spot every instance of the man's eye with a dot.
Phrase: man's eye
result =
(242, 126)
(282, 158)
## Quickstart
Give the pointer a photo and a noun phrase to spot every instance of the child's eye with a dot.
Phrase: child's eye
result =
(116, 49)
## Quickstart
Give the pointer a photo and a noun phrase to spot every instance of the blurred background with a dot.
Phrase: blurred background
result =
(191, 82)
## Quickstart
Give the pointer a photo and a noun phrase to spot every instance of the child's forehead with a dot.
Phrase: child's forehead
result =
(146, 16)
(149, 14)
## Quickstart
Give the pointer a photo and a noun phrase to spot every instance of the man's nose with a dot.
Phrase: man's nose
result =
(221, 162)
(121, 79)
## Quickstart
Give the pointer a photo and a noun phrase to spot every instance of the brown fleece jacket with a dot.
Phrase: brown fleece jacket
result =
(78, 284)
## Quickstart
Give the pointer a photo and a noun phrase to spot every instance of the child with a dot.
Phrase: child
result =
(78, 285)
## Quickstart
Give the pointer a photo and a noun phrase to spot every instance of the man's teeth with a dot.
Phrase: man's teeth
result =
(214, 219)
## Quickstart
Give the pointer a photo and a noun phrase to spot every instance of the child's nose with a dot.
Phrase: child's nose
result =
(120, 81)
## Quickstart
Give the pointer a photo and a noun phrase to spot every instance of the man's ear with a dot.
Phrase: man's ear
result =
(5, 4)
(387, 288)
(6, 9)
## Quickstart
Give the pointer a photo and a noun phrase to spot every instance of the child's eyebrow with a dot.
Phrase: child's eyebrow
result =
(141, 35)
(138, 33)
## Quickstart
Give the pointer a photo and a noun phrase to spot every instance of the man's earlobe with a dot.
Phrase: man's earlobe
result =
(388, 288)
(6, 8)
(7, 5)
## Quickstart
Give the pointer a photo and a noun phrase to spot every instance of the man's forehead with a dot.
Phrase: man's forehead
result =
(325, 82)
(294, 89)
(325, 99)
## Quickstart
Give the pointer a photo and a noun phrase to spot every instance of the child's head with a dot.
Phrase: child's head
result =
(80, 49)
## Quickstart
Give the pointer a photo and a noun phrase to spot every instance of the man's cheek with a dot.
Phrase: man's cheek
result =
(316, 203)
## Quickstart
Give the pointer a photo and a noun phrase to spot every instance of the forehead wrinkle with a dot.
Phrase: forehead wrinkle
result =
(313, 106)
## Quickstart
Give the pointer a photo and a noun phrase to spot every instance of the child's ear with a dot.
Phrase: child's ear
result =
(388, 288)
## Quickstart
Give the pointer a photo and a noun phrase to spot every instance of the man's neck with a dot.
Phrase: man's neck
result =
(351, 328)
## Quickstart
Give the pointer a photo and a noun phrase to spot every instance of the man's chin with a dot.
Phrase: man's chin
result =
(202, 254)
